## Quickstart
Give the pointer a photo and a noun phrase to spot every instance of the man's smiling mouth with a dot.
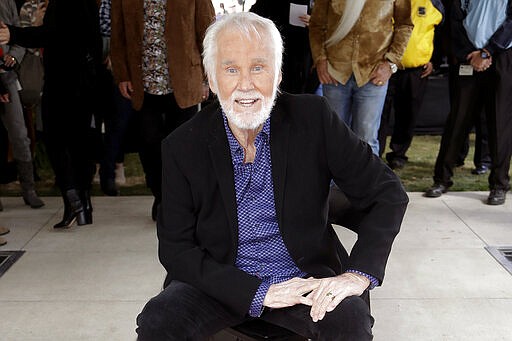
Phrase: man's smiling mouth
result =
(246, 102)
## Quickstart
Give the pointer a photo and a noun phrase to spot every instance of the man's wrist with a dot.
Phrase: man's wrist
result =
(392, 66)
(256, 308)
(485, 54)
(374, 282)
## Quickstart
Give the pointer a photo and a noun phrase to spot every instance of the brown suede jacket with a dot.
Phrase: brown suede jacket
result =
(186, 24)
(381, 33)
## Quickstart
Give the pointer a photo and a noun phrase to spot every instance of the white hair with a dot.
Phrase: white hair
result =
(350, 15)
(248, 24)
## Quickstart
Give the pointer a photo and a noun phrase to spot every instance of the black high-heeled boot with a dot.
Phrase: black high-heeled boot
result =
(85, 196)
(68, 219)
(73, 210)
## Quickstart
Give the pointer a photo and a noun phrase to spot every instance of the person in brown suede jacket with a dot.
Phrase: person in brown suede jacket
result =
(356, 46)
(156, 60)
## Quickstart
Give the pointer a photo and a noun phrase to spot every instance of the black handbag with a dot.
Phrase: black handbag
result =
(31, 77)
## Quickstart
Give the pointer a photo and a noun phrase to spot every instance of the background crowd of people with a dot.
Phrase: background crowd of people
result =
(123, 63)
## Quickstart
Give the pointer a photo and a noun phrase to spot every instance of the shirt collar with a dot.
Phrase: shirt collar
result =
(234, 147)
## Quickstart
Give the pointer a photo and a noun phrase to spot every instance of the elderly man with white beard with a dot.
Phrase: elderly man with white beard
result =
(243, 231)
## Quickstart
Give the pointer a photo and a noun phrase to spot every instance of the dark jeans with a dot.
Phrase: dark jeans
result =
(490, 91)
(182, 312)
(159, 116)
(116, 125)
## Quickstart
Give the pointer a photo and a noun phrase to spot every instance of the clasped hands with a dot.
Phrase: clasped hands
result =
(322, 294)
(477, 62)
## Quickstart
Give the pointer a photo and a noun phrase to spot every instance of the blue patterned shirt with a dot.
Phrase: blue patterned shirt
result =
(261, 250)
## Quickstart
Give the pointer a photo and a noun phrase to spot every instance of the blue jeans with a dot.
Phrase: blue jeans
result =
(12, 117)
(116, 126)
(359, 107)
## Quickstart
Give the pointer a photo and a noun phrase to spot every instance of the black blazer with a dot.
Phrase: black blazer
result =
(197, 223)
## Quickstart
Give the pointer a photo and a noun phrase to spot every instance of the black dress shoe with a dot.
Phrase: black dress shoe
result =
(496, 197)
(479, 170)
(396, 163)
(436, 191)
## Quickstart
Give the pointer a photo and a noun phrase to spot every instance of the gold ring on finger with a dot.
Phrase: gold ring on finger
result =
(380, 83)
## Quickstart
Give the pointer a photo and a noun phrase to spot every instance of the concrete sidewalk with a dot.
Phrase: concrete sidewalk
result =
(89, 283)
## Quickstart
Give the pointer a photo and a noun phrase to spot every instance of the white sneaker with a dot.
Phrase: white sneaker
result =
(120, 178)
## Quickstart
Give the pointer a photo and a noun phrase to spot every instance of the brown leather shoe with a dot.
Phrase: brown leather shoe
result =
(4, 230)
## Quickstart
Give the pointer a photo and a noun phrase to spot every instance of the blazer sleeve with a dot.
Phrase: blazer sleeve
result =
(118, 51)
(374, 191)
(180, 252)
(31, 37)
(460, 42)
(501, 39)
(205, 15)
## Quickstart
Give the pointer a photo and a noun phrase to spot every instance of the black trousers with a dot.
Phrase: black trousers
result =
(482, 155)
(182, 312)
(158, 117)
(68, 135)
(408, 98)
(491, 91)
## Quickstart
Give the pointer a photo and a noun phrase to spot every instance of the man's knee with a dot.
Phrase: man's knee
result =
(181, 312)
(351, 320)
(166, 317)
(153, 320)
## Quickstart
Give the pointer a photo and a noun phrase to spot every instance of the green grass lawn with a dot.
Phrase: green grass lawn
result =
(416, 176)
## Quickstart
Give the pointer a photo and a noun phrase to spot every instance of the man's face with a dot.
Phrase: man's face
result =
(245, 78)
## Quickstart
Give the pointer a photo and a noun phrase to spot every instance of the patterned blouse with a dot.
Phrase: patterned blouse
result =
(105, 19)
(27, 13)
(28, 18)
(155, 71)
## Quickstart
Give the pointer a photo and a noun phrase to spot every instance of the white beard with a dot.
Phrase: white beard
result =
(248, 119)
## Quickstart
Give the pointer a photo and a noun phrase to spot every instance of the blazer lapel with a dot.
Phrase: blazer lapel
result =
(221, 160)
(279, 133)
